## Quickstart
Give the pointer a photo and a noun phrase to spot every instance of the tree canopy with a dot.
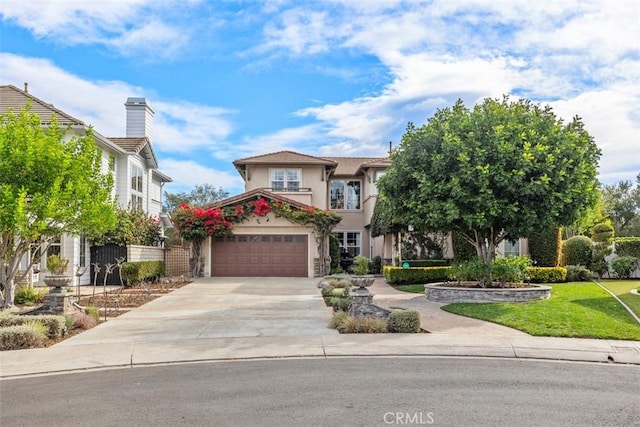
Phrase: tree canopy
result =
(49, 185)
(500, 170)
(201, 195)
(622, 205)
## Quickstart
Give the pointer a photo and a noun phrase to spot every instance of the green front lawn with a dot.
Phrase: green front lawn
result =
(622, 289)
(416, 289)
(576, 309)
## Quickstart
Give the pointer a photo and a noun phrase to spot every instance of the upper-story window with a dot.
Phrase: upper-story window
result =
(136, 186)
(344, 194)
(376, 175)
(285, 179)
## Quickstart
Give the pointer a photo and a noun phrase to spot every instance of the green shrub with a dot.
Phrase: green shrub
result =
(53, 326)
(20, 337)
(362, 325)
(474, 269)
(404, 321)
(69, 323)
(340, 292)
(578, 273)
(26, 294)
(360, 265)
(134, 272)
(94, 312)
(327, 291)
(602, 232)
(544, 247)
(623, 266)
(334, 252)
(547, 274)
(510, 269)
(405, 276)
(578, 251)
(375, 266)
(340, 304)
(627, 246)
(338, 282)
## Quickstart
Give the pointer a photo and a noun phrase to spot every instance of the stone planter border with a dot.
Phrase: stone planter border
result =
(439, 292)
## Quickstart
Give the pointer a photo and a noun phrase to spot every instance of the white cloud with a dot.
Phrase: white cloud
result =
(127, 26)
(179, 126)
(187, 174)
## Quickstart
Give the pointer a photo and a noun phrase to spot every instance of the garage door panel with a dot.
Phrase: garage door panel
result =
(260, 255)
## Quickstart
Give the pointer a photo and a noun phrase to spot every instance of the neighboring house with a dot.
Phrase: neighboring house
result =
(277, 247)
(137, 181)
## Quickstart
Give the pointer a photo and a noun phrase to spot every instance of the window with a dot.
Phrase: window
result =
(512, 248)
(344, 194)
(350, 241)
(53, 248)
(285, 179)
(376, 176)
(136, 187)
(156, 191)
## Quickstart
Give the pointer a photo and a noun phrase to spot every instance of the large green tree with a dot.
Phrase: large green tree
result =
(49, 185)
(622, 205)
(201, 195)
(500, 170)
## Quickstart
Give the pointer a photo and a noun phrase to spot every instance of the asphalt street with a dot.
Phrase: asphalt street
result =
(332, 392)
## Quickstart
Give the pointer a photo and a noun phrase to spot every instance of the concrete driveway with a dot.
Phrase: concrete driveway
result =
(220, 308)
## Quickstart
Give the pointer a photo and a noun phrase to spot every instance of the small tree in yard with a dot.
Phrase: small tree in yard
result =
(49, 185)
(500, 170)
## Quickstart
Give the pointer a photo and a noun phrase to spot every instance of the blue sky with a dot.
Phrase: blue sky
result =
(234, 78)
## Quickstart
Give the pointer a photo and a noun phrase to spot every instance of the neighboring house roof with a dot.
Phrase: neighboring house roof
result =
(257, 193)
(138, 145)
(13, 98)
(350, 166)
(161, 176)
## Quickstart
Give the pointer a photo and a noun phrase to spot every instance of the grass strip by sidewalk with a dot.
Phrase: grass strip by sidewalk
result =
(576, 309)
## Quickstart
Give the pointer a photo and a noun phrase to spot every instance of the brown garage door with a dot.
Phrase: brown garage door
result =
(260, 255)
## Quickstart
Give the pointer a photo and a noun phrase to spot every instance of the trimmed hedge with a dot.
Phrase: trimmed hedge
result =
(545, 247)
(547, 274)
(403, 321)
(578, 251)
(19, 337)
(404, 276)
(142, 270)
(627, 246)
(55, 325)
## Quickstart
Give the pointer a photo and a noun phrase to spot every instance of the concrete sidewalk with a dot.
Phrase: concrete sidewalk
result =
(248, 318)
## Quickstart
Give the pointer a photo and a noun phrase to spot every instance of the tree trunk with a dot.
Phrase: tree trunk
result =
(196, 251)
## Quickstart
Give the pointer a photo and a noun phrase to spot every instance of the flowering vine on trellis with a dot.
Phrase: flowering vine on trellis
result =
(196, 224)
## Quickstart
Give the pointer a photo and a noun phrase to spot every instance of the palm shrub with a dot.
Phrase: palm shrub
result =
(360, 265)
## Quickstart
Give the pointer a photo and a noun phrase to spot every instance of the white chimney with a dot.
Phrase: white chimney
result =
(139, 118)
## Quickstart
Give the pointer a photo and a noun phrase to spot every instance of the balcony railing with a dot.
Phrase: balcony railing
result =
(289, 190)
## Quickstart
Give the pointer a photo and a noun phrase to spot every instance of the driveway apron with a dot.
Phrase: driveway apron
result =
(220, 308)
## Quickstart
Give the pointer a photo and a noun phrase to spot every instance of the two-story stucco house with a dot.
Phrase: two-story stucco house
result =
(277, 247)
(131, 159)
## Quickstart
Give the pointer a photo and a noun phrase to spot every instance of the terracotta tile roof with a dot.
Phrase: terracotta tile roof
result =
(256, 193)
(13, 98)
(284, 158)
(140, 145)
(130, 144)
